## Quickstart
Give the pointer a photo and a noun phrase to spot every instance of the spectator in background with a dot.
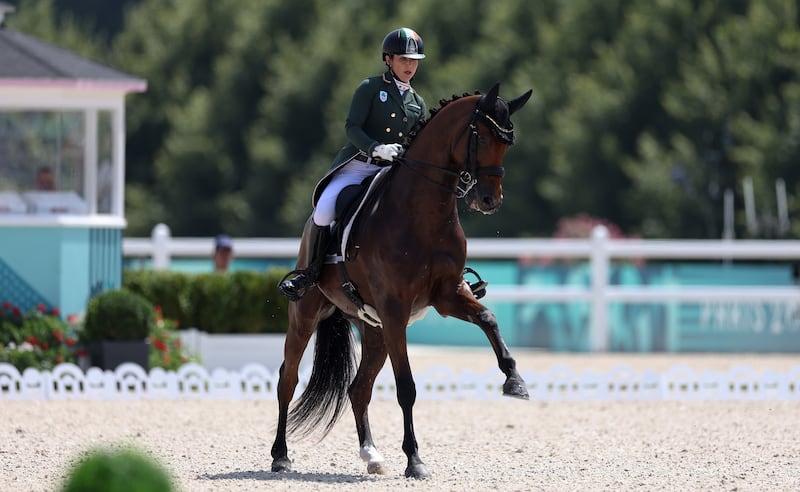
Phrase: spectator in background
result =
(223, 252)
(45, 179)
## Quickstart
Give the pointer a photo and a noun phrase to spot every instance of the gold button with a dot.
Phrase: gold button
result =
(388, 129)
(400, 134)
(405, 119)
(393, 115)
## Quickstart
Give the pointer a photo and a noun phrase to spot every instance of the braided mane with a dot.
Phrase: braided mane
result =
(434, 111)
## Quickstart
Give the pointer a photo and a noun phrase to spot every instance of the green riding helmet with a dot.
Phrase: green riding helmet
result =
(403, 42)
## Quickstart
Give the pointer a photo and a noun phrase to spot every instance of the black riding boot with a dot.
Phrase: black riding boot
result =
(295, 288)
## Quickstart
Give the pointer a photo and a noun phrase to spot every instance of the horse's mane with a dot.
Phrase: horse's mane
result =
(434, 111)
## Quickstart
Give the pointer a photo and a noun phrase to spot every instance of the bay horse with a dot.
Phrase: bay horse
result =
(414, 258)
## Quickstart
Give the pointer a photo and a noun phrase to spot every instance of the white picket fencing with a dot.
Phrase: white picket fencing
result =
(256, 382)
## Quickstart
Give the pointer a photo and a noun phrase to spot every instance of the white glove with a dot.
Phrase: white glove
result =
(387, 152)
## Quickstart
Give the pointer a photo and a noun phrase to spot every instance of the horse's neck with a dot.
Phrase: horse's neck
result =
(426, 195)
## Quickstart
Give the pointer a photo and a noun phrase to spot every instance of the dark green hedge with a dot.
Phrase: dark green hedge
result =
(237, 302)
(118, 315)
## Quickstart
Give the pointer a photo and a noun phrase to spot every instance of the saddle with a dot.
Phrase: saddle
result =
(348, 229)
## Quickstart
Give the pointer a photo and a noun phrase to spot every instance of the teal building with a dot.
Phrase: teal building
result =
(62, 173)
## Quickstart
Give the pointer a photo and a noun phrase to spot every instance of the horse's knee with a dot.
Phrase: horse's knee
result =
(487, 319)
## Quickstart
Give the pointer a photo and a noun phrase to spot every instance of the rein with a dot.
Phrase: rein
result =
(468, 176)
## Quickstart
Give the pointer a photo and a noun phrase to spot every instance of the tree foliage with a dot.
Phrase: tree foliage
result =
(645, 112)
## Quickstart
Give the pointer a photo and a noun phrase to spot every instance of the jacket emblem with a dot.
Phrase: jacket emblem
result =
(383, 95)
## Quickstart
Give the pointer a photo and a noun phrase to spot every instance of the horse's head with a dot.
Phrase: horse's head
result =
(490, 133)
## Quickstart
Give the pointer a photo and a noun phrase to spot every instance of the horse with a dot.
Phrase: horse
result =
(414, 259)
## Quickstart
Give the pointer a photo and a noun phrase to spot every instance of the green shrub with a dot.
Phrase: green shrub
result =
(126, 470)
(118, 315)
(237, 302)
(163, 288)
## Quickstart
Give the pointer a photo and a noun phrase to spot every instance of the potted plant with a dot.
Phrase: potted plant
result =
(116, 329)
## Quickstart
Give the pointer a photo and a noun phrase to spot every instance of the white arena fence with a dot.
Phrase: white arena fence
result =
(256, 382)
(600, 250)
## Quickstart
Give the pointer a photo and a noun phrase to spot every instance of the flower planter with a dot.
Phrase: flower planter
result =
(108, 354)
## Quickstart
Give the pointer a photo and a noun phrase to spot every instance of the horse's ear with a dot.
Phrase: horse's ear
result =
(490, 98)
(517, 103)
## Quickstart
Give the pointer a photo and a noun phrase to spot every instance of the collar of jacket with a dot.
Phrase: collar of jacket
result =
(389, 79)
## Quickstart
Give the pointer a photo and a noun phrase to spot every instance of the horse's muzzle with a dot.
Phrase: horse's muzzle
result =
(485, 203)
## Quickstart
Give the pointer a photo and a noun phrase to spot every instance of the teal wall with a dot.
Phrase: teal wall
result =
(60, 267)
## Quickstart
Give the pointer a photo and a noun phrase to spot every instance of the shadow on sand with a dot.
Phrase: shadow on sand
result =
(298, 476)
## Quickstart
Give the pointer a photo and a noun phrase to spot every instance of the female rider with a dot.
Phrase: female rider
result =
(383, 110)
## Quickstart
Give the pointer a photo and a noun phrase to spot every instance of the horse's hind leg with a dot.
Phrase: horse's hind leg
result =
(303, 317)
(373, 356)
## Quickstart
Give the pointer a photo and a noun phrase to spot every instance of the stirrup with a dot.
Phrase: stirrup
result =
(291, 291)
(478, 287)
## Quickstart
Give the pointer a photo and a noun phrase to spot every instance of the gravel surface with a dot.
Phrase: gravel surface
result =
(507, 445)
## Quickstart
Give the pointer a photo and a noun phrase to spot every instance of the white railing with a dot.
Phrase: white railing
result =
(254, 381)
(600, 250)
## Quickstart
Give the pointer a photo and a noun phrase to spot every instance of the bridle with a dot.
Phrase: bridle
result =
(468, 176)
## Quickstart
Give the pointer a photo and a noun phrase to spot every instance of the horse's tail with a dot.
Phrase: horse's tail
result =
(325, 397)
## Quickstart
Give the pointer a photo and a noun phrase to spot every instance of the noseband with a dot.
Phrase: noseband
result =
(468, 177)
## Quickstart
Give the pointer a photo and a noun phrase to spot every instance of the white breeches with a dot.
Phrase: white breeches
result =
(353, 172)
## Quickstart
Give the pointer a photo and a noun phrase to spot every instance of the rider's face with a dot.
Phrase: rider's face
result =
(404, 68)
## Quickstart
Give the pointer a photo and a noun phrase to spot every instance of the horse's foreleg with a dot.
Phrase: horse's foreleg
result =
(514, 385)
(395, 335)
(373, 356)
(296, 341)
(467, 308)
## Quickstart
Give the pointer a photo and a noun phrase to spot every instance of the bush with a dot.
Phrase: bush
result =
(117, 471)
(118, 315)
(237, 302)
(161, 287)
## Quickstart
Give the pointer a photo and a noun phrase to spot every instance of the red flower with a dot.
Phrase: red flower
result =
(55, 311)
(6, 305)
(72, 318)
(32, 340)
(41, 307)
(160, 345)
(58, 335)
(70, 342)
(16, 311)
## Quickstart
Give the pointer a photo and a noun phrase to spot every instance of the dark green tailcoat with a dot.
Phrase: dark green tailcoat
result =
(378, 115)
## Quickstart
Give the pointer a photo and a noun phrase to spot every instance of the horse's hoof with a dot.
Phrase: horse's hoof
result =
(282, 465)
(418, 471)
(516, 388)
(377, 469)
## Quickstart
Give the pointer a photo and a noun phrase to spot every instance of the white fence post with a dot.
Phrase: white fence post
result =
(599, 264)
(161, 253)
